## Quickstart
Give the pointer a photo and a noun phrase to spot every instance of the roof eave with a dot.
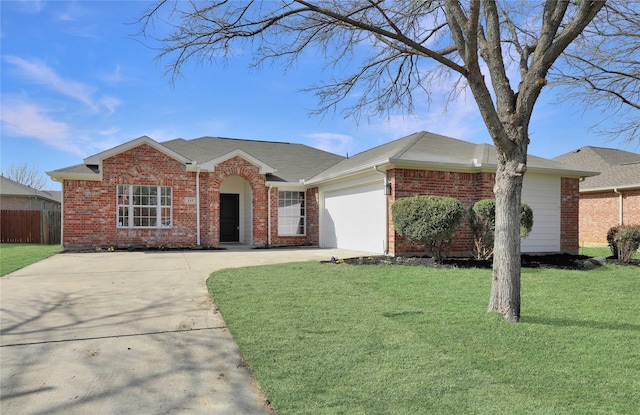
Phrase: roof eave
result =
(347, 172)
(563, 172)
(473, 167)
(611, 188)
(60, 176)
(286, 185)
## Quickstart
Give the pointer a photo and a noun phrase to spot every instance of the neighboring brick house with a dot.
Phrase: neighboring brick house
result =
(212, 190)
(611, 198)
(17, 196)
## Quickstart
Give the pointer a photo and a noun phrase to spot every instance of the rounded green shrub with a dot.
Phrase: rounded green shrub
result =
(611, 236)
(624, 240)
(482, 221)
(431, 220)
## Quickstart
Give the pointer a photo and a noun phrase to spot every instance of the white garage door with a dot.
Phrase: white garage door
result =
(542, 194)
(354, 218)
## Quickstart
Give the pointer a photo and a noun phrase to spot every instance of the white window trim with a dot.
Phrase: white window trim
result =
(130, 208)
(303, 216)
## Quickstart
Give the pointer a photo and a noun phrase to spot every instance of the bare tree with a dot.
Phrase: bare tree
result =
(602, 69)
(26, 175)
(410, 45)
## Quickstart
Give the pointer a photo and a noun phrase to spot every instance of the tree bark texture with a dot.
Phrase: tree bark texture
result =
(505, 284)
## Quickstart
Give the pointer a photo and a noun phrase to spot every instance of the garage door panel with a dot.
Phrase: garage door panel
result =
(354, 218)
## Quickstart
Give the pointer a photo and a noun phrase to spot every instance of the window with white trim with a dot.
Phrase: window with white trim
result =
(291, 213)
(144, 206)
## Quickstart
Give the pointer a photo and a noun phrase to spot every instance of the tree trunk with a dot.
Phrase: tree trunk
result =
(505, 285)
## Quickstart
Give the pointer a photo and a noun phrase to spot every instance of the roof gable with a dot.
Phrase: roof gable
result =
(211, 164)
(619, 169)
(288, 162)
(96, 159)
(92, 167)
(425, 150)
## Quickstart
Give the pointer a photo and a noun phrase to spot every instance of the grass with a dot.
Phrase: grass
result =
(601, 252)
(16, 256)
(341, 339)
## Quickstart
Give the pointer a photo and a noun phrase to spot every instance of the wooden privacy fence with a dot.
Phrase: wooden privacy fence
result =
(30, 226)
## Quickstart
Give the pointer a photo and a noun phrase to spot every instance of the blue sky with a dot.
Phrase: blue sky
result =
(76, 81)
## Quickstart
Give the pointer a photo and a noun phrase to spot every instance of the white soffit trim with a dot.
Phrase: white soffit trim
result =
(611, 188)
(97, 158)
(211, 164)
(60, 176)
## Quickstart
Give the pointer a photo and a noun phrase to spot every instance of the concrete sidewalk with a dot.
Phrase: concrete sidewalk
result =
(127, 333)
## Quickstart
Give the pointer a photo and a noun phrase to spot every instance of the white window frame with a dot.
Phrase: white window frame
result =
(144, 207)
(291, 216)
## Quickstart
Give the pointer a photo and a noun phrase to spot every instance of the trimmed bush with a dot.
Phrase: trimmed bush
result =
(431, 220)
(526, 220)
(624, 241)
(482, 221)
(611, 236)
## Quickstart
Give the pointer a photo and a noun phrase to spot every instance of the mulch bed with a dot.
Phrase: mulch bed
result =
(556, 261)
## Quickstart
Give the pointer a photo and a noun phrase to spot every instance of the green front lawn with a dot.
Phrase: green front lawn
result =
(342, 339)
(601, 252)
(16, 256)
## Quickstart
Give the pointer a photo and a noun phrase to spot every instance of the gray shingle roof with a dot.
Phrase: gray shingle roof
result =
(437, 151)
(9, 187)
(293, 162)
(618, 168)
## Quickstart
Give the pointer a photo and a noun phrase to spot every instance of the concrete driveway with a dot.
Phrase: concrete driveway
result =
(126, 333)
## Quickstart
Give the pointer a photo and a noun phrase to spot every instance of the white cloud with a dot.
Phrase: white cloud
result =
(331, 142)
(110, 103)
(40, 73)
(23, 119)
(114, 76)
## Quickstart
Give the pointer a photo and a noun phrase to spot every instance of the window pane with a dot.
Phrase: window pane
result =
(150, 206)
(291, 213)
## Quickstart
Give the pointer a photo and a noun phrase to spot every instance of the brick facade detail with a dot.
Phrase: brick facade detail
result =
(466, 187)
(469, 188)
(90, 212)
(601, 211)
(569, 214)
(90, 207)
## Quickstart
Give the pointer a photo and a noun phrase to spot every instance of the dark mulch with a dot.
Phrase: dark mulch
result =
(556, 261)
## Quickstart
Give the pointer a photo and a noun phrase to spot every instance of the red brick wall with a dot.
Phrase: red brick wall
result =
(469, 188)
(569, 215)
(90, 206)
(466, 187)
(90, 215)
(601, 211)
(631, 206)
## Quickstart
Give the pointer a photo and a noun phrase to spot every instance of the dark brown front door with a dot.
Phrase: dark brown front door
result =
(229, 217)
